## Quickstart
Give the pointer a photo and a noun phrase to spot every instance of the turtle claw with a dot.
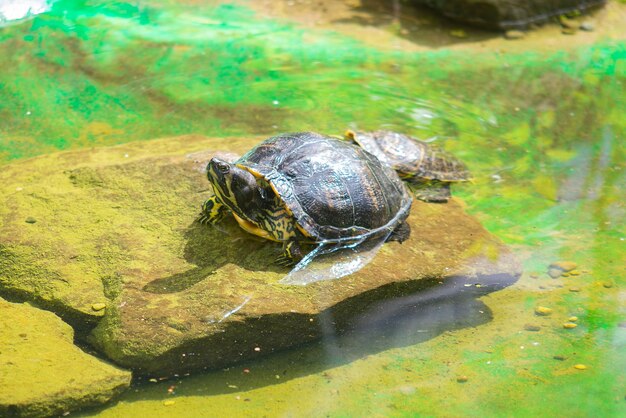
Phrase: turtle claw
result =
(284, 261)
(213, 211)
(203, 219)
(291, 254)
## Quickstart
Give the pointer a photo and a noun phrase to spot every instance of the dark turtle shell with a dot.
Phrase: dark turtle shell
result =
(334, 189)
(411, 157)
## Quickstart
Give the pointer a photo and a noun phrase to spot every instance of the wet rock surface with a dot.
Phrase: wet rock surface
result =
(116, 230)
(506, 14)
(42, 372)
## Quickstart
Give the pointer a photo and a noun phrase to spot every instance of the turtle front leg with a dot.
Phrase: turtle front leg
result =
(213, 211)
(292, 253)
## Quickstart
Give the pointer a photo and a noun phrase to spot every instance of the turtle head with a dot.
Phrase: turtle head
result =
(236, 188)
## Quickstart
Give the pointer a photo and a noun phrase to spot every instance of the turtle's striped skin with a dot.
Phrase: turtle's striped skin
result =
(428, 168)
(308, 188)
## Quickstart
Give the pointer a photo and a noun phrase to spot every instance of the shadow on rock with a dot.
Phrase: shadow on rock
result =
(210, 247)
(424, 310)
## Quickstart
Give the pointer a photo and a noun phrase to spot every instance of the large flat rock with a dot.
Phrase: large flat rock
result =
(117, 226)
(42, 372)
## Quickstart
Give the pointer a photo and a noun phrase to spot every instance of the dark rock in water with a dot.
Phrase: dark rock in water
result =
(116, 228)
(42, 372)
(508, 14)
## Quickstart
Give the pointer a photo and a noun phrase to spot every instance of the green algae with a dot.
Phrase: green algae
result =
(540, 131)
(42, 372)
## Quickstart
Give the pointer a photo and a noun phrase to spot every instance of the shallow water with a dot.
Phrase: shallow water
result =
(541, 129)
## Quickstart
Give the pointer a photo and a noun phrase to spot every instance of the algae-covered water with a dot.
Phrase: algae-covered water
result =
(540, 123)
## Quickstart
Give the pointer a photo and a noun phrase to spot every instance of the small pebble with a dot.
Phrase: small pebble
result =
(153, 380)
(607, 285)
(563, 265)
(559, 357)
(534, 276)
(169, 402)
(458, 33)
(98, 306)
(569, 31)
(30, 220)
(572, 319)
(532, 327)
(587, 26)
(257, 349)
(555, 273)
(461, 379)
(574, 273)
(514, 34)
(580, 366)
(569, 325)
(622, 324)
(574, 289)
(543, 311)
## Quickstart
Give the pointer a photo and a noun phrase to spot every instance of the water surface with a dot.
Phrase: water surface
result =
(541, 129)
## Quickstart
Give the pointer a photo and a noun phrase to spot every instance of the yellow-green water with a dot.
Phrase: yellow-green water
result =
(542, 130)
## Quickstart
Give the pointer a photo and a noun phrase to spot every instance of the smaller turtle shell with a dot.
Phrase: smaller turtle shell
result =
(411, 156)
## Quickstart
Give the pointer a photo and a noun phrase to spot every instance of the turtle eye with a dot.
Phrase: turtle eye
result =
(224, 168)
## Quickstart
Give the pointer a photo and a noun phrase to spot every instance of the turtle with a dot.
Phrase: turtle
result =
(306, 188)
(427, 168)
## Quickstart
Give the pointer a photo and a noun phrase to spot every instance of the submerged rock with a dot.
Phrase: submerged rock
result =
(514, 34)
(508, 14)
(565, 266)
(42, 372)
(119, 224)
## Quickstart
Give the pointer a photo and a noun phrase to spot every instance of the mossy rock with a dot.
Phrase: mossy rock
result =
(42, 372)
(117, 226)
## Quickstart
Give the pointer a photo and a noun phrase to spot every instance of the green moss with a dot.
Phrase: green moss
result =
(42, 373)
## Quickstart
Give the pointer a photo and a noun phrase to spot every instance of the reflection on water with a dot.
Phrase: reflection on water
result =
(11, 10)
(541, 132)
